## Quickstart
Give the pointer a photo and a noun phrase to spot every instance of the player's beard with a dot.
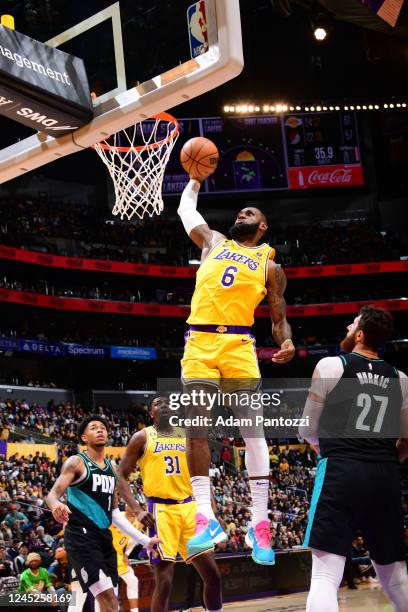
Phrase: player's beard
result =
(348, 343)
(243, 231)
(163, 421)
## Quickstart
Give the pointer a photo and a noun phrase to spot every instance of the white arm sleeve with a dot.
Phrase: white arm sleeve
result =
(404, 388)
(326, 375)
(310, 421)
(127, 528)
(187, 209)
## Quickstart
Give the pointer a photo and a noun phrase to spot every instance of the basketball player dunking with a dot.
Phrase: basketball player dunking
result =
(90, 481)
(357, 405)
(160, 452)
(234, 276)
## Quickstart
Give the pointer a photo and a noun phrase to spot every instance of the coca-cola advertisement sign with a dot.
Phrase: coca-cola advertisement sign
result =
(310, 177)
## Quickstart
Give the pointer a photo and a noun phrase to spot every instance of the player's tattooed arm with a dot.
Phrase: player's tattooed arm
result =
(281, 330)
(194, 224)
(70, 471)
(133, 452)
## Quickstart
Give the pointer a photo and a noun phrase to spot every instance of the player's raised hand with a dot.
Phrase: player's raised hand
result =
(146, 519)
(286, 353)
(153, 542)
(61, 512)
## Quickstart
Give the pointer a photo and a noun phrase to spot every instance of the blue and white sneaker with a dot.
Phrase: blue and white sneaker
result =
(259, 539)
(207, 533)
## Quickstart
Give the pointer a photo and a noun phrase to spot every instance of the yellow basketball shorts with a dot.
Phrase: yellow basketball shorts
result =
(213, 356)
(175, 525)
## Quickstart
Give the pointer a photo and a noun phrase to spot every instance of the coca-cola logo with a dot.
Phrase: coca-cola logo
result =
(291, 272)
(141, 269)
(343, 269)
(372, 267)
(74, 262)
(326, 309)
(47, 260)
(295, 311)
(168, 271)
(125, 308)
(29, 298)
(96, 306)
(336, 176)
(393, 305)
(57, 302)
(153, 310)
(315, 271)
(102, 265)
(7, 251)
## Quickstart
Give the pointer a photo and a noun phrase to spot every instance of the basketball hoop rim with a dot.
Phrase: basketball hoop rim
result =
(154, 145)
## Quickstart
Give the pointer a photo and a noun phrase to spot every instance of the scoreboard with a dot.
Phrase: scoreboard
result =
(322, 150)
(274, 152)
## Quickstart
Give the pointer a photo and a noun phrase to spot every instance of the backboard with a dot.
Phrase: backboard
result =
(142, 57)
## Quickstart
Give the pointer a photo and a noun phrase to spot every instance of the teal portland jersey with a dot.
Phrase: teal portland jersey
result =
(90, 500)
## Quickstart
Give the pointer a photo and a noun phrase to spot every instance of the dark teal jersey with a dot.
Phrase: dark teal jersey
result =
(90, 500)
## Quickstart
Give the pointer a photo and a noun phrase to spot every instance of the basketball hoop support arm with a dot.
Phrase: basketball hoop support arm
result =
(222, 62)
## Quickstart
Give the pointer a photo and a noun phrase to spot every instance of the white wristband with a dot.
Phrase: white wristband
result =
(187, 209)
(127, 528)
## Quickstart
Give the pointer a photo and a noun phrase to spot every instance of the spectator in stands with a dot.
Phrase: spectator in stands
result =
(215, 456)
(35, 579)
(361, 561)
(6, 566)
(46, 538)
(21, 558)
(59, 571)
(16, 519)
(226, 455)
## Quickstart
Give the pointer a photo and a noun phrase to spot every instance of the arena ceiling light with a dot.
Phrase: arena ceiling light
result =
(320, 33)
(321, 24)
(279, 108)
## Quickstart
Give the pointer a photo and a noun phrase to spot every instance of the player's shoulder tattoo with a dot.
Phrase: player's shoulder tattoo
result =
(276, 278)
(73, 463)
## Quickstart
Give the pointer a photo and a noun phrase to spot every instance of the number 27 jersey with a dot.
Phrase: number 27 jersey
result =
(230, 284)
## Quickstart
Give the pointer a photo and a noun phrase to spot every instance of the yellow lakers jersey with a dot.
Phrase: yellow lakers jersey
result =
(230, 284)
(120, 541)
(163, 465)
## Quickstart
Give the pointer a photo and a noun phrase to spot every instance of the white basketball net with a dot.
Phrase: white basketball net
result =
(137, 170)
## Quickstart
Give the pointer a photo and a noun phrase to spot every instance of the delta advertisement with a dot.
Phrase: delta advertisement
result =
(71, 349)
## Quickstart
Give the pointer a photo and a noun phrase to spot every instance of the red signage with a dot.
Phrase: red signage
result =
(159, 310)
(306, 177)
(119, 267)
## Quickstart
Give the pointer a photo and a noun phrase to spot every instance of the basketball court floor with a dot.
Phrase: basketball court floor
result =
(370, 598)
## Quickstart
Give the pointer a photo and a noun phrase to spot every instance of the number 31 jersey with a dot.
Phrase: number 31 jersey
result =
(230, 284)
(163, 465)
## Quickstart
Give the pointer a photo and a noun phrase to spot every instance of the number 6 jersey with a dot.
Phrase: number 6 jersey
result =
(230, 284)
(163, 465)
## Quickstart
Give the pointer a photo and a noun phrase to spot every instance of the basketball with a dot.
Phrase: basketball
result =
(199, 157)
